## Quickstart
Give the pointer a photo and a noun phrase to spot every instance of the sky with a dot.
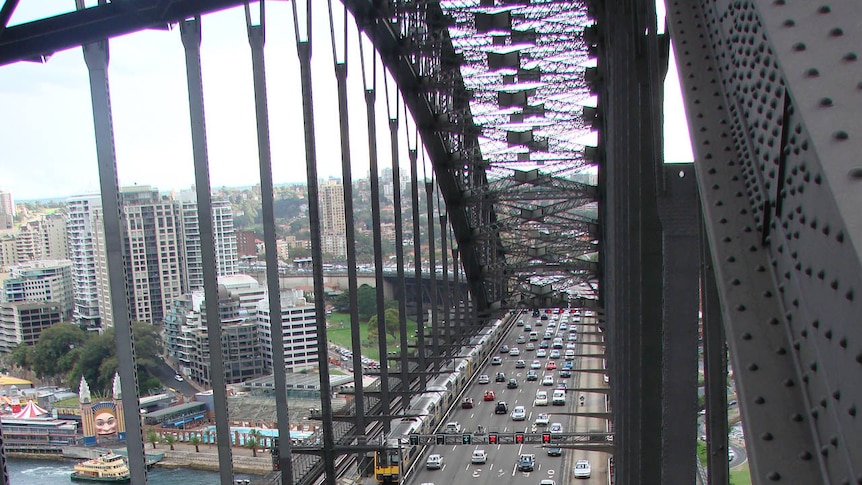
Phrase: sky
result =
(47, 144)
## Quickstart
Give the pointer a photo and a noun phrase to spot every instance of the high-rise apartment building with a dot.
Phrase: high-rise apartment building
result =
(7, 210)
(44, 237)
(8, 250)
(246, 244)
(332, 228)
(224, 235)
(42, 281)
(83, 226)
(23, 322)
(299, 324)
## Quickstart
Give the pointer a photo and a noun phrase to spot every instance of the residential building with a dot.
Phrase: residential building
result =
(83, 224)
(23, 322)
(299, 326)
(7, 210)
(224, 235)
(42, 281)
(332, 228)
(246, 243)
(44, 237)
(8, 250)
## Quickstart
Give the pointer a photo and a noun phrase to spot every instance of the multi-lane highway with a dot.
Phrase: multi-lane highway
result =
(502, 459)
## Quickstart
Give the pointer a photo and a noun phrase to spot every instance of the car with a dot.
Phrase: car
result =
(479, 456)
(526, 462)
(484, 379)
(467, 403)
(532, 375)
(541, 399)
(570, 346)
(452, 427)
(520, 323)
(504, 349)
(434, 462)
(543, 419)
(565, 373)
(568, 365)
(562, 385)
(544, 344)
(496, 360)
(522, 339)
(490, 395)
(519, 413)
(536, 365)
(528, 328)
(556, 428)
(520, 364)
(573, 337)
(548, 381)
(551, 365)
(563, 327)
(582, 469)
(512, 384)
(514, 352)
(530, 346)
(541, 353)
(547, 336)
(534, 336)
(730, 454)
(501, 408)
(178, 378)
(547, 481)
(500, 377)
(555, 354)
(555, 451)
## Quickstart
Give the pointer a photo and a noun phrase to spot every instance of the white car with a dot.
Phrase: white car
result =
(547, 481)
(484, 379)
(519, 413)
(536, 365)
(452, 428)
(548, 381)
(541, 353)
(435, 462)
(479, 456)
(542, 419)
(541, 399)
(556, 428)
(515, 351)
(178, 378)
(582, 469)
(555, 354)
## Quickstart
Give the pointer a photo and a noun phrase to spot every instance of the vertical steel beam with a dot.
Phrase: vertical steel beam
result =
(399, 254)
(417, 265)
(448, 324)
(256, 39)
(190, 33)
(374, 175)
(715, 371)
(4, 471)
(432, 267)
(678, 206)
(303, 50)
(96, 56)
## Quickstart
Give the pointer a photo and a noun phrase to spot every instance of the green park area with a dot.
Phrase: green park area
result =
(338, 332)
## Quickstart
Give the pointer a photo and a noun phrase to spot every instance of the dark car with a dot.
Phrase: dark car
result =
(501, 408)
(555, 451)
(500, 377)
(532, 375)
(526, 463)
(513, 384)
(565, 373)
(467, 403)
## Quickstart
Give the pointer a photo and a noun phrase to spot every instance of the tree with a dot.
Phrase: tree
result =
(372, 333)
(391, 318)
(366, 300)
(196, 442)
(21, 355)
(169, 440)
(152, 437)
(50, 357)
(252, 441)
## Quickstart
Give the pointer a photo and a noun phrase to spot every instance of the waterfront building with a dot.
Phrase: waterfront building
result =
(23, 322)
(83, 227)
(299, 324)
(42, 281)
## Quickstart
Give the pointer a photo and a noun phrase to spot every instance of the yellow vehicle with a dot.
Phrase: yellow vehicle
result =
(387, 465)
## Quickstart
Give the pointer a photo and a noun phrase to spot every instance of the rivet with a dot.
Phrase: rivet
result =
(841, 135)
(813, 366)
(815, 324)
(746, 336)
(836, 395)
(842, 343)
(767, 294)
(824, 403)
(824, 9)
(781, 351)
(735, 282)
(740, 308)
(789, 23)
(805, 456)
(828, 334)
(855, 173)
(767, 436)
(812, 72)
(731, 259)
(859, 358)
(759, 400)
(850, 56)
(796, 418)
(774, 476)
(789, 383)
(851, 410)
(836, 32)
(774, 321)
(834, 441)
(799, 46)
(826, 102)
(824, 450)
(753, 367)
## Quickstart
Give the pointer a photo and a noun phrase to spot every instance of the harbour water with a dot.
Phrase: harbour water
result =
(47, 472)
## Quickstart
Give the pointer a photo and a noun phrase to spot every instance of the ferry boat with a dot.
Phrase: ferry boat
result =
(109, 467)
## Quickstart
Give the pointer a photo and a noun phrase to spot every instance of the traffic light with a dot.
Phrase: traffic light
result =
(492, 438)
(546, 437)
(466, 439)
(441, 439)
(414, 439)
(519, 438)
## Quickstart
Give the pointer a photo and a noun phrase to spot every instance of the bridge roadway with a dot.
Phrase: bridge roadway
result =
(501, 467)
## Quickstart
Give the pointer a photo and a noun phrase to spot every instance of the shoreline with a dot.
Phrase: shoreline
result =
(260, 465)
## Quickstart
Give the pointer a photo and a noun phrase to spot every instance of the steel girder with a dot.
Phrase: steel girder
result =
(772, 93)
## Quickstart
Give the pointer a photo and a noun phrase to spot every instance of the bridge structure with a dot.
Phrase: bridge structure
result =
(533, 136)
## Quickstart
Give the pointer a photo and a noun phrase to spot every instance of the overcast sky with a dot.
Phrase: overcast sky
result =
(47, 146)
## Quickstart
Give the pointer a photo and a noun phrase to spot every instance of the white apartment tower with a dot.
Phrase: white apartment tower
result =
(299, 325)
(82, 233)
(224, 235)
(332, 227)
